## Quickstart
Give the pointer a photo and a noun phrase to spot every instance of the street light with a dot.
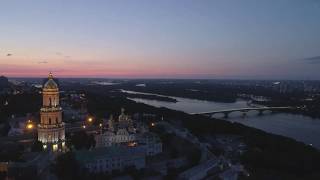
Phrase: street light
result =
(132, 144)
(29, 125)
(90, 119)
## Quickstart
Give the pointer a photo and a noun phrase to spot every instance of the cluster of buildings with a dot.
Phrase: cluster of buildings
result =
(4, 85)
(74, 106)
(283, 86)
(125, 131)
(112, 158)
(125, 143)
(121, 142)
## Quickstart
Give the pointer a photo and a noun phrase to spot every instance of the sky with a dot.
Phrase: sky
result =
(238, 39)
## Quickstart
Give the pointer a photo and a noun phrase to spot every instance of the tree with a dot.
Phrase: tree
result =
(37, 146)
(66, 166)
(81, 140)
(4, 128)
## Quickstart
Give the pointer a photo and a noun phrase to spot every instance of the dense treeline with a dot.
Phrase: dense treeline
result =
(4, 83)
(219, 91)
(178, 89)
(151, 97)
(229, 93)
(307, 107)
(18, 105)
(212, 90)
(266, 153)
(189, 90)
(80, 140)
(66, 167)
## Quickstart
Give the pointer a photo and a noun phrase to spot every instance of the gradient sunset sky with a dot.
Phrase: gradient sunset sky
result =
(245, 39)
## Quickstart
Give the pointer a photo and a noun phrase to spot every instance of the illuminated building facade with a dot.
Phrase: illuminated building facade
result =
(125, 131)
(51, 130)
(120, 131)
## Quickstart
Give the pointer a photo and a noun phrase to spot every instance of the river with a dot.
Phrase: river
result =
(299, 127)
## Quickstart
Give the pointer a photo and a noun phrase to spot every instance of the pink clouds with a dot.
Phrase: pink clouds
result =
(93, 70)
(124, 65)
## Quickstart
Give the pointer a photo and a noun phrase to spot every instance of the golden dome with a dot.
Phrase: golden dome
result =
(50, 84)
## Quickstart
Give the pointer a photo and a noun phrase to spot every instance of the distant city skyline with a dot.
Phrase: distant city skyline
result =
(247, 39)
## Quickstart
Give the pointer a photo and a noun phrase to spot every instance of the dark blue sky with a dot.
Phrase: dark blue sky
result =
(270, 39)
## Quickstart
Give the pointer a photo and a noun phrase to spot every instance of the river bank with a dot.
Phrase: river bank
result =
(299, 127)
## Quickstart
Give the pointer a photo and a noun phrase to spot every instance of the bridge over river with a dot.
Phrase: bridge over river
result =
(244, 110)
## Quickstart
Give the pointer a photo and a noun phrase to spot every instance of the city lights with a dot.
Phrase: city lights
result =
(132, 144)
(90, 119)
(160, 89)
(55, 147)
(29, 125)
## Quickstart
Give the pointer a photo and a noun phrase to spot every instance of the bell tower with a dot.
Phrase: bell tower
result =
(51, 130)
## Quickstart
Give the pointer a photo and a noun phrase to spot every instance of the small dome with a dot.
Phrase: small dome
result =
(50, 84)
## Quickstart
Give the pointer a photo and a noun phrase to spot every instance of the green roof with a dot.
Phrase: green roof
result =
(105, 152)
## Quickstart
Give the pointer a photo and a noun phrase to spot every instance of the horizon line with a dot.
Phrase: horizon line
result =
(166, 78)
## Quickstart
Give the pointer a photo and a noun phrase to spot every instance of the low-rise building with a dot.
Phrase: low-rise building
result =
(200, 171)
(119, 131)
(127, 132)
(111, 158)
(109, 138)
(151, 142)
(32, 164)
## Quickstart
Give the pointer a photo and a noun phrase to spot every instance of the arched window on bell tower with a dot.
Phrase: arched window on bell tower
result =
(50, 101)
(49, 120)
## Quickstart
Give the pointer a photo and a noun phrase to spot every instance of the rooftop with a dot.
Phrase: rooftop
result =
(50, 84)
(113, 151)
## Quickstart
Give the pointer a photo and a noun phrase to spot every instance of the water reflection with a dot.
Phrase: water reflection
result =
(299, 127)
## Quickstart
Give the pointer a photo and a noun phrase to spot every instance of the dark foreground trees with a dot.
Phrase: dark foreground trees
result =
(66, 166)
(81, 140)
